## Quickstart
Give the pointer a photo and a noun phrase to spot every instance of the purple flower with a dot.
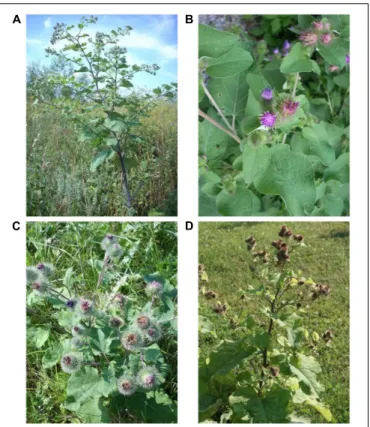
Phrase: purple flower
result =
(268, 119)
(267, 94)
(70, 303)
(289, 107)
(40, 266)
(318, 25)
(347, 58)
(276, 51)
(286, 45)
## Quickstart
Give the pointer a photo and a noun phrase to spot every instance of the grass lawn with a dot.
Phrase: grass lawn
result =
(222, 251)
(148, 248)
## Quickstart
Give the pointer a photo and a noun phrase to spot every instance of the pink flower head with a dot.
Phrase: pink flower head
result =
(333, 68)
(276, 51)
(268, 119)
(289, 107)
(318, 25)
(326, 38)
(308, 38)
(149, 380)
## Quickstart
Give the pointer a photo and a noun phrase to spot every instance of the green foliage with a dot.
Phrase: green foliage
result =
(294, 140)
(100, 110)
(266, 368)
(108, 295)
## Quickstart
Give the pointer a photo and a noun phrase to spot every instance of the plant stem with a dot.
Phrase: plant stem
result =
(210, 97)
(124, 175)
(101, 275)
(205, 116)
(295, 84)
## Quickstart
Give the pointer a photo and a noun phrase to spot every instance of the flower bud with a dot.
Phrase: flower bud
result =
(32, 274)
(274, 371)
(115, 251)
(154, 288)
(78, 330)
(142, 321)
(326, 38)
(126, 385)
(46, 270)
(85, 307)
(116, 322)
(308, 38)
(267, 94)
(132, 340)
(298, 237)
(318, 25)
(41, 287)
(153, 333)
(108, 241)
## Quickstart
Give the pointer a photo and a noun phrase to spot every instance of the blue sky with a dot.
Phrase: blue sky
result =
(152, 41)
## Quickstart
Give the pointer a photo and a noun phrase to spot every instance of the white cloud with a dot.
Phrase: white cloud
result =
(146, 41)
(34, 42)
(47, 23)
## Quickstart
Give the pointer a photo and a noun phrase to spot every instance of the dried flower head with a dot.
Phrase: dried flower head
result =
(71, 362)
(298, 237)
(148, 377)
(308, 38)
(126, 385)
(116, 322)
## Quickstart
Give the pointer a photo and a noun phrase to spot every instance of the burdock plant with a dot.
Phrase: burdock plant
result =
(272, 369)
(107, 343)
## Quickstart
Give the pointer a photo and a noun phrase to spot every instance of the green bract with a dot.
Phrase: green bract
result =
(274, 117)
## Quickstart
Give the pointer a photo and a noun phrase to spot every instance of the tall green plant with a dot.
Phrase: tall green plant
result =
(98, 103)
(264, 376)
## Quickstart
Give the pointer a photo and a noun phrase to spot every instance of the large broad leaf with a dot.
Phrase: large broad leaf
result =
(257, 83)
(315, 141)
(93, 412)
(291, 176)
(103, 155)
(233, 62)
(250, 124)
(240, 202)
(306, 368)
(230, 93)
(52, 355)
(255, 161)
(213, 142)
(207, 205)
(215, 43)
(335, 52)
(38, 335)
(301, 398)
(272, 408)
(333, 200)
(339, 170)
(297, 62)
(84, 385)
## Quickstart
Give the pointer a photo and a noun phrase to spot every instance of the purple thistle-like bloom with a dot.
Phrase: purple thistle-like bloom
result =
(267, 94)
(318, 25)
(289, 107)
(70, 303)
(276, 51)
(268, 119)
(286, 45)
(347, 58)
(40, 266)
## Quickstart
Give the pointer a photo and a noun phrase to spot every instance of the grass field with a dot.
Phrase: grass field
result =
(148, 248)
(59, 180)
(222, 251)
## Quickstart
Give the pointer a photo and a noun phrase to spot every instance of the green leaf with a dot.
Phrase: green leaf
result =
(250, 124)
(291, 176)
(331, 203)
(272, 408)
(213, 142)
(306, 368)
(215, 43)
(93, 412)
(68, 277)
(52, 355)
(301, 398)
(339, 170)
(241, 202)
(314, 141)
(85, 384)
(207, 205)
(255, 161)
(297, 62)
(229, 64)
(38, 335)
(260, 340)
(230, 93)
(67, 319)
(335, 52)
(103, 155)
(342, 80)
(257, 83)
